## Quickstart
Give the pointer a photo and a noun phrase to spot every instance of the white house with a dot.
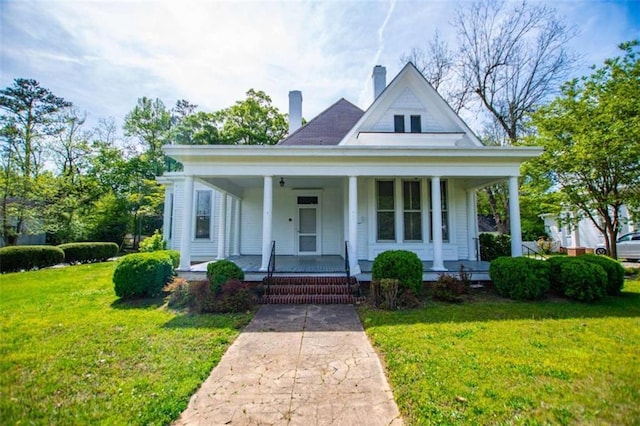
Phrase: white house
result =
(365, 180)
(584, 233)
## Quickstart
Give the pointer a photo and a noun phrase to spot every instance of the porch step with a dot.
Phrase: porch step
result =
(312, 299)
(310, 290)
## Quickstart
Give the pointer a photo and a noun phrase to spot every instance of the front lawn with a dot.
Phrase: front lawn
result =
(505, 362)
(71, 353)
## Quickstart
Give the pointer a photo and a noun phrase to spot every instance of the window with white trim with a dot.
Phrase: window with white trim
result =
(412, 210)
(444, 198)
(385, 210)
(203, 214)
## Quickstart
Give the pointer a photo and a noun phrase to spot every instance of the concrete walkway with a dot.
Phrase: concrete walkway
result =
(297, 365)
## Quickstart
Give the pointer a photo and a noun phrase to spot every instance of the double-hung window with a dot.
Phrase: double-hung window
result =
(385, 210)
(203, 214)
(412, 210)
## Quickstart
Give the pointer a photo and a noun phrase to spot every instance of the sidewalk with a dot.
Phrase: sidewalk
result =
(297, 365)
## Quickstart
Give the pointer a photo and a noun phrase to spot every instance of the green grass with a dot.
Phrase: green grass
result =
(71, 353)
(502, 362)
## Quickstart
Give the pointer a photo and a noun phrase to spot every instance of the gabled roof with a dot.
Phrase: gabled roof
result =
(328, 128)
(421, 90)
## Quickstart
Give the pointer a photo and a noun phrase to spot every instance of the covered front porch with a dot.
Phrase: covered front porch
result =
(331, 265)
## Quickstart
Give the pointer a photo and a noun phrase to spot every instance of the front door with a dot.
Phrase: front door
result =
(308, 225)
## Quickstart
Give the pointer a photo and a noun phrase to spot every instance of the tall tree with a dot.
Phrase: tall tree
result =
(254, 121)
(150, 121)
(29, 117)
(591, 136)
(511, 58)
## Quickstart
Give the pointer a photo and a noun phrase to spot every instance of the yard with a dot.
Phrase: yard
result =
(70, 353)
(502, 362)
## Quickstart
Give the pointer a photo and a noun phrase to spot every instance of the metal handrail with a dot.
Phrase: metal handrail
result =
(347, 264)
(536, 254)
(272, 266)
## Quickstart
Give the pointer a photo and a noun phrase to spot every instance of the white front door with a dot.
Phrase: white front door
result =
(308, 225)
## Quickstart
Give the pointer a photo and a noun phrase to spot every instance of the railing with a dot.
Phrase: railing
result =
(536, 254)
(272, 266)
(347, 264)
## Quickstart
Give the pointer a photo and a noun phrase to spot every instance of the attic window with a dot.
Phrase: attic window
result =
(416, 125)
(398, 123)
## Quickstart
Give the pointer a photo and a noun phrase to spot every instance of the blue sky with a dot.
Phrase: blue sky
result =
(103, 55)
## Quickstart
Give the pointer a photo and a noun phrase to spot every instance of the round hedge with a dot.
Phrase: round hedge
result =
(555, 277)
(142, 274)
(520, 278)
(221, 271)
(88, 252)
(19, 258)
(583, 281)
(402, 265)
(613, 268)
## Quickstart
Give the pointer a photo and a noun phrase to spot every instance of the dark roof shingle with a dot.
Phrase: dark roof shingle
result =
(328, 128)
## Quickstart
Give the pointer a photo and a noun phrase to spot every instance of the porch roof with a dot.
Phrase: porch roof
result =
(488, 163)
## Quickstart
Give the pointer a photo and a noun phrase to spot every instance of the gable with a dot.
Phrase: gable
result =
(407, 103)
(409, 112)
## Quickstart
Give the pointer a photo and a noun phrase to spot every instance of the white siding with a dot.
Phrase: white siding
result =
(251, 222)
(407, 104)
(333, 224)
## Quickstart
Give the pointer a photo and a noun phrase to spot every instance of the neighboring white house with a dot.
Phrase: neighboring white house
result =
(364, 179)
(585, 234)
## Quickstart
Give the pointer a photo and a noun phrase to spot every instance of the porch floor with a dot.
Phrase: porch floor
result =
(333, 265)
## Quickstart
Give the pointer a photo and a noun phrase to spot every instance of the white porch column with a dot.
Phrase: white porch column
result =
(236, 228)
(472, 225)
(353, 225)
(222, 225)
(187, 225)
(514, 217)
(166, 219)
(436, 219)
(267, 207)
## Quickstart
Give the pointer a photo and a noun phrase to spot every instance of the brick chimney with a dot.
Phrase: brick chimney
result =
(379, 80)
(295, 110)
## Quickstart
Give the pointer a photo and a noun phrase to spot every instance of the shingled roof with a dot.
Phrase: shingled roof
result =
(328, 128)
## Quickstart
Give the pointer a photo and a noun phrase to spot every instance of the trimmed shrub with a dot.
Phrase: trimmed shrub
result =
(174, 255)
(494, 246)
(448, 288)
(18, 258)
(220, 272)
(583, 281)
(88, 252)
(155, 242)
(142, 274)
(613, 268)
(520, 278)
(555, 263)
(402, 265)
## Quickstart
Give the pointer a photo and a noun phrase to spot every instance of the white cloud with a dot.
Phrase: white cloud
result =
(103, 55)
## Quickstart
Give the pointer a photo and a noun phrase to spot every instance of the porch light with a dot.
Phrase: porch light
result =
(281, 182)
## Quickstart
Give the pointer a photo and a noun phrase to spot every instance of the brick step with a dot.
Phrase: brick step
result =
(307, 280)
(315, 299)
(310, 289)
